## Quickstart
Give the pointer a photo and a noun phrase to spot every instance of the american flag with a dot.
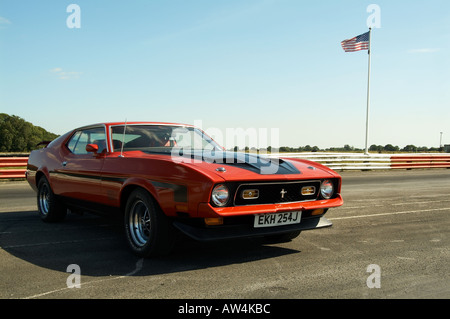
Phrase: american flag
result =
(358, 43)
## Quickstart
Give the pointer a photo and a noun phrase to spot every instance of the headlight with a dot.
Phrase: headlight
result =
(220, 195)
(326, 189)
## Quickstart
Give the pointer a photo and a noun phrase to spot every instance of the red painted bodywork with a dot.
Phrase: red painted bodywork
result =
(107, 178)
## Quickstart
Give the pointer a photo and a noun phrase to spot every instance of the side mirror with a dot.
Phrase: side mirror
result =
(92, 148)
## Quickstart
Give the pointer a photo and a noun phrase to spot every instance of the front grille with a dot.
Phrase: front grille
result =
(272, 193)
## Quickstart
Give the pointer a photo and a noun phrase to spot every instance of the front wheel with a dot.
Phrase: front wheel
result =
(49, 208)
(148, 231)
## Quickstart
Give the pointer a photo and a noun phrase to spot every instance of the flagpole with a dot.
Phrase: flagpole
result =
(368, 95)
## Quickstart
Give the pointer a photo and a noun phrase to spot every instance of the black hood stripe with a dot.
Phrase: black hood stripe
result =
(251, 162)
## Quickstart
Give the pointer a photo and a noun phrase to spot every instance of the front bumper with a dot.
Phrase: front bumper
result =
(207, 210)
(247, 231)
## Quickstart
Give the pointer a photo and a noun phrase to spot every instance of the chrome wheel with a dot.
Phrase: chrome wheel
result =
(148, 230)
(139, 223)
(43, 199)
(49, 207)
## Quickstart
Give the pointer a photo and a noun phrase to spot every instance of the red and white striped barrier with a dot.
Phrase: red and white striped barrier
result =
(15, 167)
(425, 161)
(358, 161)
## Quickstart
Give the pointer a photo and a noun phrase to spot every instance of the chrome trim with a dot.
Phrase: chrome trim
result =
(314, 187)
(278, 183)
(250, 189)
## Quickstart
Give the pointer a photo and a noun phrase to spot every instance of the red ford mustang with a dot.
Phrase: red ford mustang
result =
(165, 178)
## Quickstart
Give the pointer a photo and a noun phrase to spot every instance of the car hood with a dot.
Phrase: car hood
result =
(239, 166)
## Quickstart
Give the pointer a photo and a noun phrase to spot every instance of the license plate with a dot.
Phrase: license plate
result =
(277, 219)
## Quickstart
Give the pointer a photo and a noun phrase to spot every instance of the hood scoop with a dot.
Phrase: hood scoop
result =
(255, 163)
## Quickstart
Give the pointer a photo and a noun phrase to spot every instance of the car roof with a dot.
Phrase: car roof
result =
(108, 124)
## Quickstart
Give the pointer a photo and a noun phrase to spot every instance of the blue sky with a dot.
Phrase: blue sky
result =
(250, 64)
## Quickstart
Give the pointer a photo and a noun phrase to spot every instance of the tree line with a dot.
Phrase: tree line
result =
(18, 135)
(388, 148)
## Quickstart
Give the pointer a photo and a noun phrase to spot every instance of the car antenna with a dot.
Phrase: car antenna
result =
(123, 138)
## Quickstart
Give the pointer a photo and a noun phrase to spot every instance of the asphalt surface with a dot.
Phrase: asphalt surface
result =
(389, 240)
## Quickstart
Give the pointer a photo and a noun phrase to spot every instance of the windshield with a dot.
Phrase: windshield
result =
(160, 139)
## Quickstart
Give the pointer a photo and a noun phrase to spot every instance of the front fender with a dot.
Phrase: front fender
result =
(164, 194)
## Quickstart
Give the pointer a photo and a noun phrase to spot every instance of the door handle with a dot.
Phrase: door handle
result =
(64, 164)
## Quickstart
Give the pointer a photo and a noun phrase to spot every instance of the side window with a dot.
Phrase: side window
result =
(73, 141)
(78, 141)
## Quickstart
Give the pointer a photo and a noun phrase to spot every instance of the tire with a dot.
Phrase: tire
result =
(49, 208)
(149, 232)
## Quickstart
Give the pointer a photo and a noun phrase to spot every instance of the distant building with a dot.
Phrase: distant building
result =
(447, 148)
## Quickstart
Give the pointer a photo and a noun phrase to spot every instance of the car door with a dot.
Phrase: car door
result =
(79, 174)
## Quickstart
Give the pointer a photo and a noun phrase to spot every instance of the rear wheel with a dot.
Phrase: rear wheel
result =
(148, 231)
(49, 208)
